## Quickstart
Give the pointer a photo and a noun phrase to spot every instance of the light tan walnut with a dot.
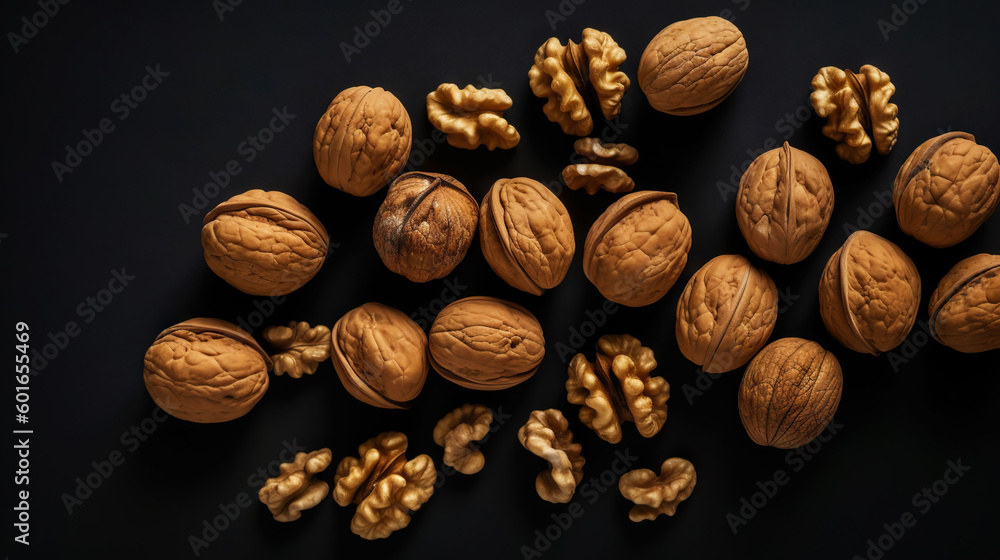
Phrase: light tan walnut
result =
(606, 153)
(593, 177)
(295, 489)
(857, 110)
(655, 495)
(472, 117)
(567, 76)
(302, 348)
(458, 433)
(547, 435)
(965, 307)
(384, 485)
(618, 388)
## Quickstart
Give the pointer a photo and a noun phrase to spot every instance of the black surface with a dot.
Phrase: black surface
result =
(904, 415)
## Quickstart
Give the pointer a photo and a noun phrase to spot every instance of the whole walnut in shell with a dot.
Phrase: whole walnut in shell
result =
(264, 243)
(692, 65)
(857, 110)
(637, 248)
(946, 189)
(526, 234)
(486, 343)
(425, 226)
(380, 355)
(869, 294)
(726, 313)
(784, 204)
(205, 370)
(362, 140)
(789, 393)
(965, 306)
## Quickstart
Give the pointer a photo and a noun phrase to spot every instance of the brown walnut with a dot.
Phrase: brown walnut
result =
(458, 433)
(654, 494)
(472, 117)
(857, 110)
(547, 435)
(605, 153)
(302, 348)
(295, 488)
(965, 306)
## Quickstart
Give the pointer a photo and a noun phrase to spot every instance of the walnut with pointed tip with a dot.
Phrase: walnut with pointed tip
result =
(965, 307)
(654, 494)
(547, 435)
(605, 153)
(302, 348)
(458, 433)
(472, 117)
(857, 110)
(295, 489)
(593, 177)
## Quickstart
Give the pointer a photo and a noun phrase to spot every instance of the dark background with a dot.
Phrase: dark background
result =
(904, 415)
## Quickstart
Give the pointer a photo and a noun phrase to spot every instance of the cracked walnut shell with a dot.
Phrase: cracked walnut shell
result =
(264, 243)
(857, 110)
(302, 348)
(784, 204)
(692, 65)
(526, 234)
(547, 435)
(380, 355)
(726, 313)
(385, 487)
(637, 248)
(654, 494)
(472, 117)
(946, 189)
(425, 225)
(869, 293)
(789, 393)
(617, 388)
(485, 343)
(965, 307)
(362, 140)
(593, 177)
(570, 76)
(205, 370)
(458, 433)
(295, 489)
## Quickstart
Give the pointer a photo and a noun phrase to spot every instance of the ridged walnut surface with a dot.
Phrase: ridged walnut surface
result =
(472, 117)
(593, 177)
(965, 307)
(295, 489)
(654, 495)
(547, 435)
(458, 433)
(301, 348)
(857, 110)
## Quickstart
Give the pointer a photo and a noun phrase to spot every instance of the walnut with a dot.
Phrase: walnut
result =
(472, 117)
(617, 388)
(654, 495)
(380, 355)
(567, 77)
(526, 234)
(458, 433)
(362, 140)
(637, 248)
(425, 226)
(946, 189)
(205, 370)
(384, 485)
(789, 393)
(302, 347)
(593, 177)
(692, 65)
(784, 204)
(485, 343)
(295, 489)
(869, 293)
(726, 313)
(606, 153)
(965, 307)
(547, 435)
(857, 110)
(264, 243)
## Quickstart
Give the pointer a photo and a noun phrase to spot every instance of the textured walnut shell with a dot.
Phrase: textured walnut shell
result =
(654, 494)
(425, 225)
(362, 140)
(458, 433)
(380, 355)
(205, 370)
(486, 343)
(946, 189)
(302, 348)
(472, 117)
(604, 153)
(726, 313)
(789, 393)
(692, 65)
(637, 248)
(869, 293)
(593, 177)
(526, 234)
(784, 204)
(264, 243)
(857, 110)
(295, 489)
(965, 306)
(547, 434)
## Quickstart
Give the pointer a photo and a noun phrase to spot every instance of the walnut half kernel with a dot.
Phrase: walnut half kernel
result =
(458, 433)
(302, 348)
(857, 110)
(547, 435)
(472, 117)
(654, 494)
(295, 490)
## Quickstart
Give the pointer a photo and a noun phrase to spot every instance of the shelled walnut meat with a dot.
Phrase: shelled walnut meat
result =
(295, 488)
(946, 189)
(425, 225)
(857, 110)
(472, 117)
(547, 435)
(458, 433)
(301, 348)
(726, 313)
(654, 494)
(264, 243)
(206, 370)
(965, 307)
